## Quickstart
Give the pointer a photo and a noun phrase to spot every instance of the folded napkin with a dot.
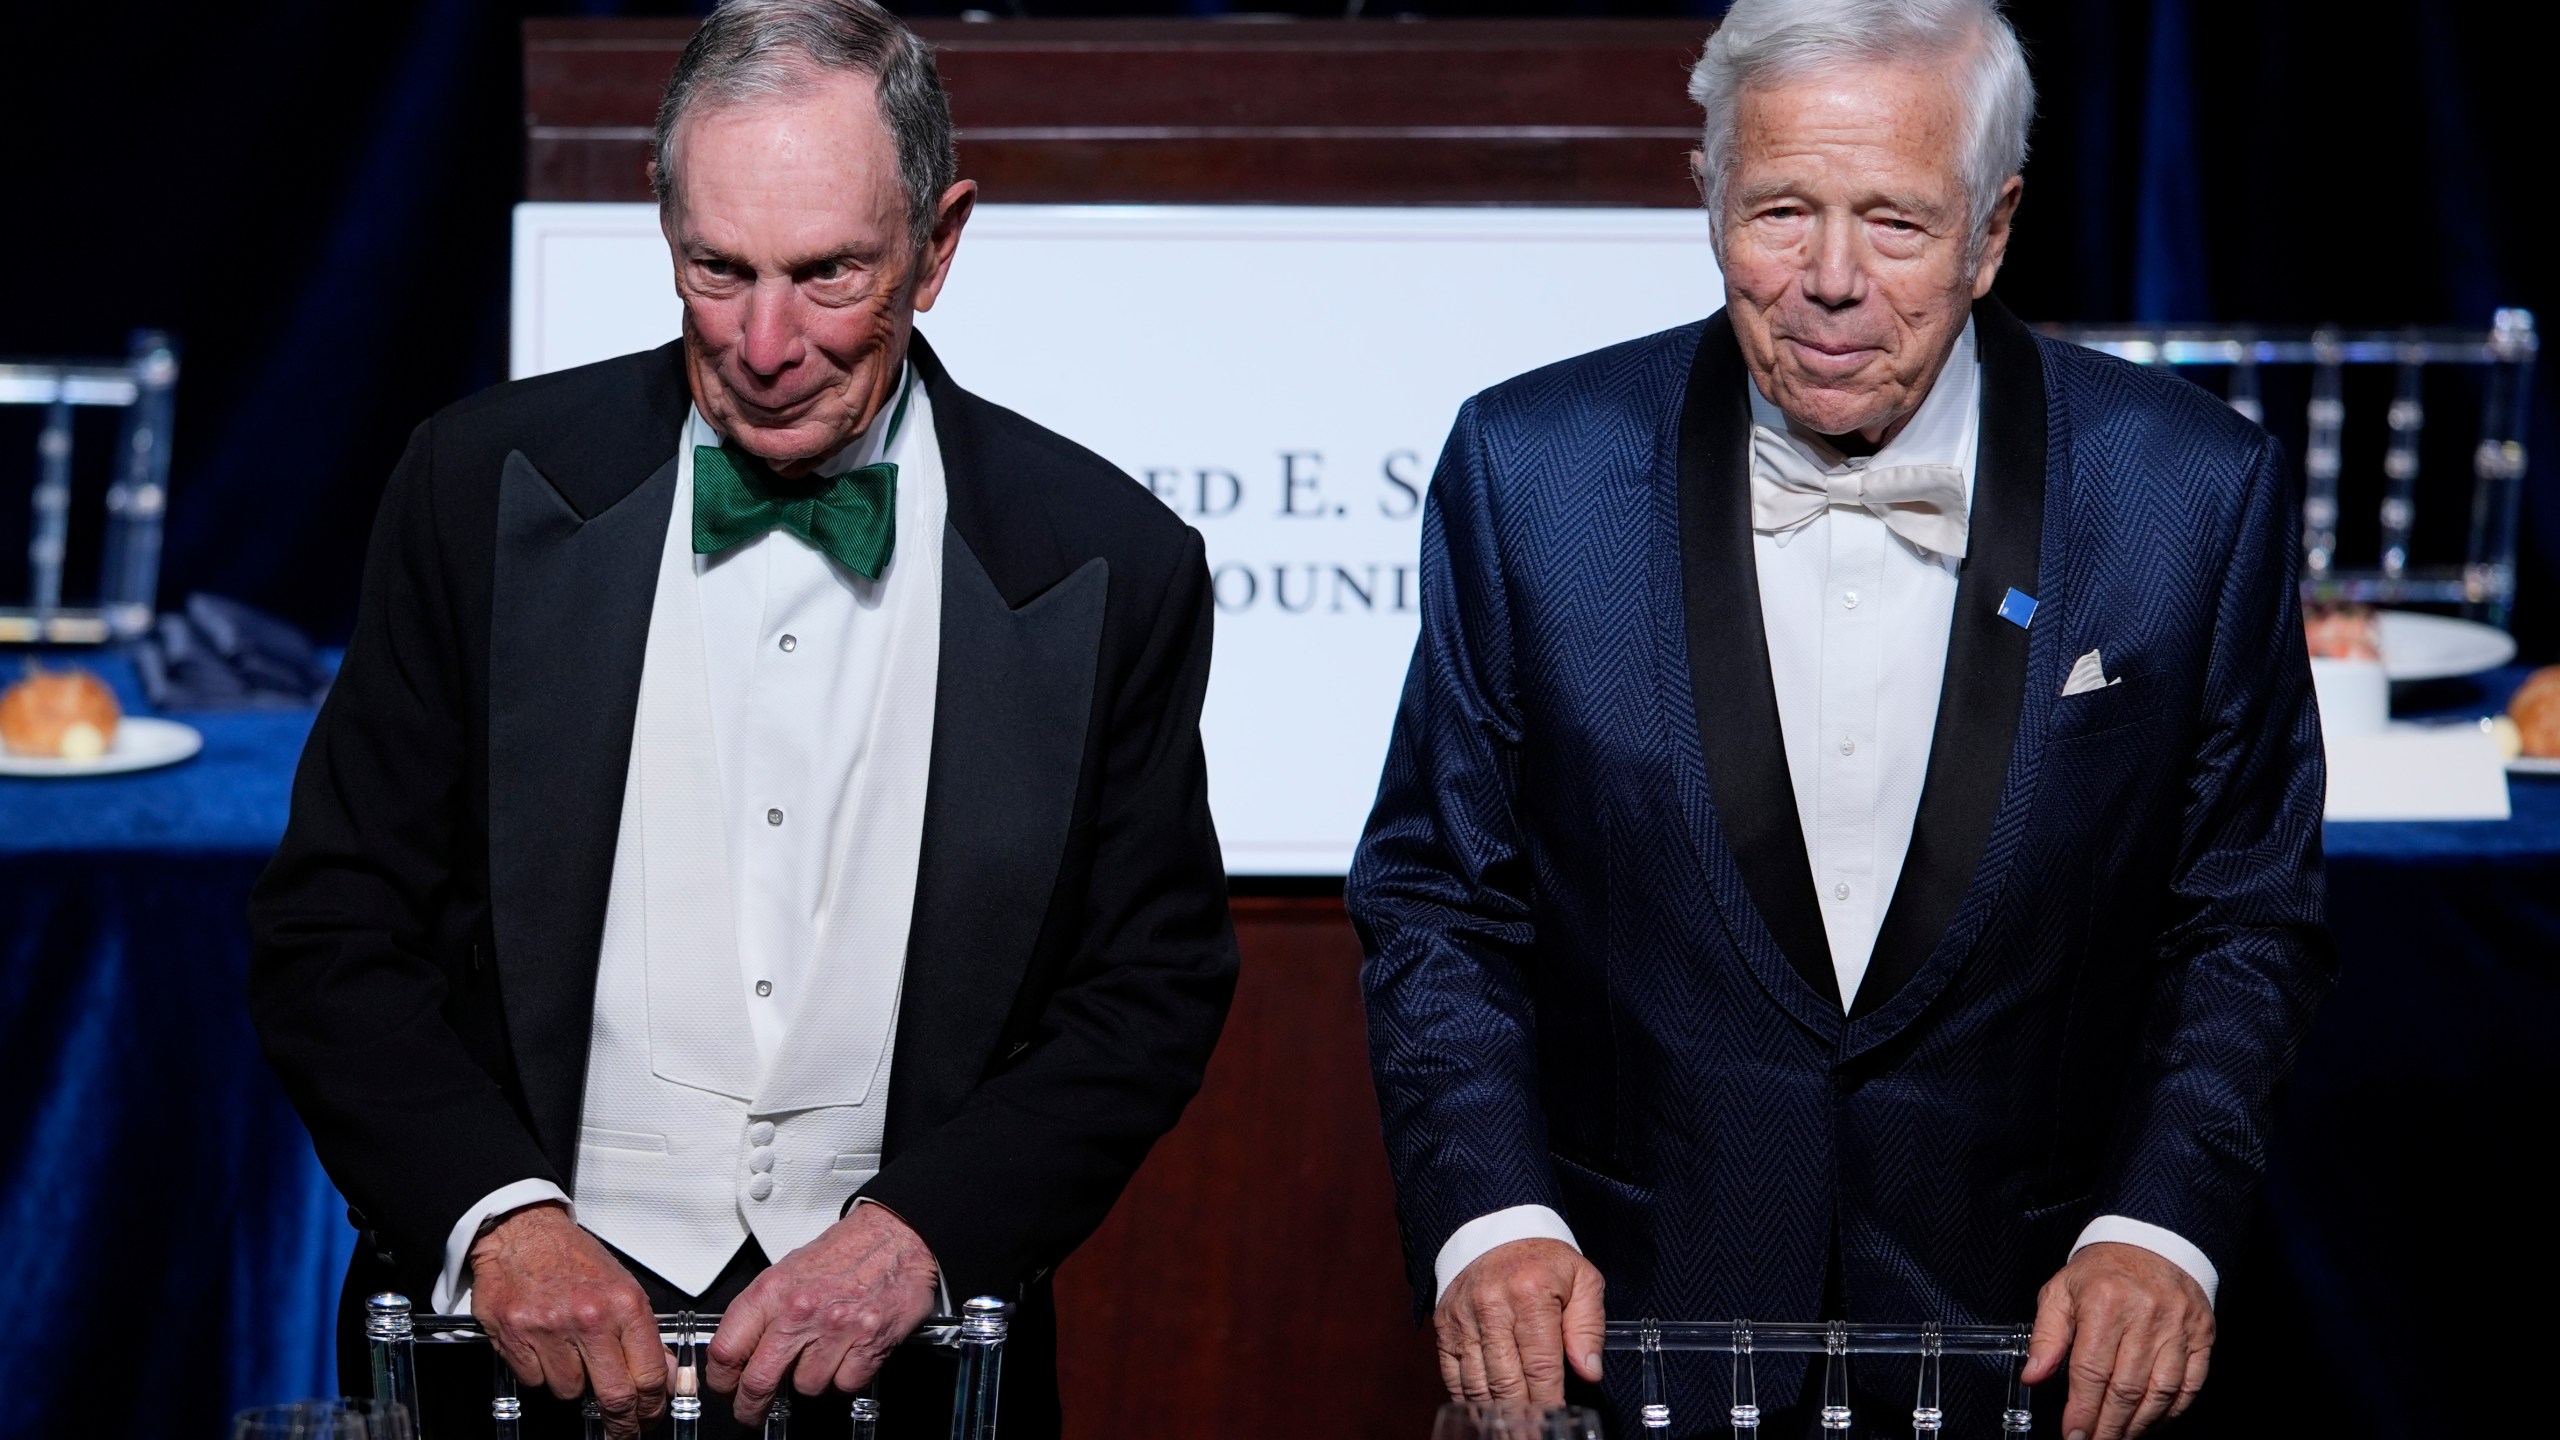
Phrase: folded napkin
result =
(219, 654)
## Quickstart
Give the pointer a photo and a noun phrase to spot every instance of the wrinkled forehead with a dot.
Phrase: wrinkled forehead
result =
(1894, 123)
(795, 131)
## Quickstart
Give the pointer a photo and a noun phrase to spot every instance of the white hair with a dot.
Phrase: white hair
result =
(1767, 41)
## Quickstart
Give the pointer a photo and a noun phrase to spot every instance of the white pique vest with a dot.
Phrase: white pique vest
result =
(689, 1141)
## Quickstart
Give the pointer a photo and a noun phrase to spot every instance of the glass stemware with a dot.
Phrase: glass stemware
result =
(1513, 1420)
(324, 1420)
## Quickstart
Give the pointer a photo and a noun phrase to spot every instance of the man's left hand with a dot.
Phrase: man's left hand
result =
(2137, 1331)
(826, 1314)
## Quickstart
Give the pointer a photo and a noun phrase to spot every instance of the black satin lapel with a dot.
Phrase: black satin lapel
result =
(1737, 702)
(568, 630)
(1986, 675)
(1011, 708)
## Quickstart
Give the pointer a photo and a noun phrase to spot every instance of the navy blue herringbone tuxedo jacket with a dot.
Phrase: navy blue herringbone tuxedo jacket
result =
(1597, 974)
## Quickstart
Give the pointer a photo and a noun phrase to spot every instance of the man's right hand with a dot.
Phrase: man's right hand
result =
(1511, 1320)
(567, 1317)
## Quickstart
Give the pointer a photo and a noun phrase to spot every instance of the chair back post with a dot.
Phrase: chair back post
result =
(1927, 1418)
(2484, 584)
(138, 497)
(144, 387)
(2245, 397)
(2326, 422)
(2016, 1415)
(2406, 418)
(506, 1407)
(2498, 467)
(49, 534)
(1746, 1386)
(983, 1324)
(388, 1336)
(1656, 1414)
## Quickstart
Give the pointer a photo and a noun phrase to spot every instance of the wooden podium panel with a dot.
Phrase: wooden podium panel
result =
(1249, 1283)
(1590, 112)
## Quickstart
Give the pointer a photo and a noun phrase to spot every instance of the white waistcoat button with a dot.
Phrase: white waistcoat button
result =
(760, 1161)
(760, 1133)
(760, 1187)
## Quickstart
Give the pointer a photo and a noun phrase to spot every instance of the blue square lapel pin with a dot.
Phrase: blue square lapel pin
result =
(2018, 607)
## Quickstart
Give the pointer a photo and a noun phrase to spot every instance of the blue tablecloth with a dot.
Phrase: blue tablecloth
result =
(2396, 1189)
(169, 1248)
(173, 1252)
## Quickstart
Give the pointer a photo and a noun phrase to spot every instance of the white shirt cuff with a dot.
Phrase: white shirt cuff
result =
(1520, 1222)
(453, 1287)
(2168, 1244)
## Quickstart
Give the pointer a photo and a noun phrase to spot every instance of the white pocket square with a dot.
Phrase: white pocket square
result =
(2087, 674)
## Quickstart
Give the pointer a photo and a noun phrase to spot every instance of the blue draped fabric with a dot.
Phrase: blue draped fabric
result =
(2168, 254)
(170, 1251)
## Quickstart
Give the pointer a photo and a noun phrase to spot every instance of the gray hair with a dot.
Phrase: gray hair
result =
(756, 49)
(1765, 41)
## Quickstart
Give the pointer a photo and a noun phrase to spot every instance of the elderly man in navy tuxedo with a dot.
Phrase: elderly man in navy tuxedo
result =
(1850, 846)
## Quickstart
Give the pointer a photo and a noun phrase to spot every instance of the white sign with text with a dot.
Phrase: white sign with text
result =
(1281, 377)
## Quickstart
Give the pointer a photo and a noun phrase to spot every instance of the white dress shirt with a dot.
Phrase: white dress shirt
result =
(793, 644)
(1857, 620)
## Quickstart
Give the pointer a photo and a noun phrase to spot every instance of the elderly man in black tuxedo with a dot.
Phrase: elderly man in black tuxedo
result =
(756, 856)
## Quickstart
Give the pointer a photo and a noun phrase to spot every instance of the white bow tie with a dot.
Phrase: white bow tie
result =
(1923, 504)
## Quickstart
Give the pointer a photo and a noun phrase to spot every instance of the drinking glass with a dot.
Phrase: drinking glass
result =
(1513, 1420)
(1571, 1422)
(324, 1420)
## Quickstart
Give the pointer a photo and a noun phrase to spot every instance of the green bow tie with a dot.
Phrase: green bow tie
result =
(852, 516)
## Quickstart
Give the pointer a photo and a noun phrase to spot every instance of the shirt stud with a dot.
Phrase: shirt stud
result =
(1840, 891)
(1848, 746)
(773, 817)
(1848, 599)
(789, 643)
(764, 989)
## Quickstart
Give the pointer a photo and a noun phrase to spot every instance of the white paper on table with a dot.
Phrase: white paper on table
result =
(2417, 773)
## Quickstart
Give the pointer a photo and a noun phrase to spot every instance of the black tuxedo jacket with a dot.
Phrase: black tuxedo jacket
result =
(426, 939)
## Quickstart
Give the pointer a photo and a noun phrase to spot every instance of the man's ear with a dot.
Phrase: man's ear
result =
(949, 218)
(1995, 236)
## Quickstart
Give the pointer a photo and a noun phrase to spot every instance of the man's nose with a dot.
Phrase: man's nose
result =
(1833, 276)
(772, 337)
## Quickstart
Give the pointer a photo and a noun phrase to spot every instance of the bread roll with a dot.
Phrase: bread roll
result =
(2338, 630)
(2536, 710)
(64, 714)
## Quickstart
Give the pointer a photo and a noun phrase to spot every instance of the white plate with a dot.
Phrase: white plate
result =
(142, 743)
(2418, 646)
